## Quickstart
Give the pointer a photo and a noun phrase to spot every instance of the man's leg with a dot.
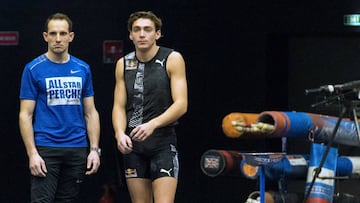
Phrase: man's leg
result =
(72, 175)
(43, 189)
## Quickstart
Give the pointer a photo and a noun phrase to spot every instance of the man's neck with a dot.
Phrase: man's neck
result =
(147, 55)
(58, 58)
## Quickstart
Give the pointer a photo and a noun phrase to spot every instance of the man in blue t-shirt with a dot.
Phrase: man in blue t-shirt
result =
(58, 120)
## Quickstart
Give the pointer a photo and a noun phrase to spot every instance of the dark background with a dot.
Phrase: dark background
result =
(245, 56)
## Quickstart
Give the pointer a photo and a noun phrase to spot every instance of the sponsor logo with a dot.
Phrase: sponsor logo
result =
(74, 71)
(160, 62)
(130, 173)
(131, 64)
(166, 171)
(78, 181)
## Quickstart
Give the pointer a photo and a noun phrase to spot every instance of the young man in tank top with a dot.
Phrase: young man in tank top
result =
(150, 96)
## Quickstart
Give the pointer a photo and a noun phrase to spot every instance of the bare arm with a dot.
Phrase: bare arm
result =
(124, 143)
(93, 131)
(178, 84)
(36, 163)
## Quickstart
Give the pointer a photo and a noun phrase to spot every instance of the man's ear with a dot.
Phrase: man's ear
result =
(158, 34)
(45, 35)
(72, 35)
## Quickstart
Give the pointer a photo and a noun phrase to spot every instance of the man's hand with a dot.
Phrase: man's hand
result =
(93, 162)
(142, 132)
(37, 166)
(124, 144)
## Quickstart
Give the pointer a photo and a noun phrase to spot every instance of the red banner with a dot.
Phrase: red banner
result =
(9, 38)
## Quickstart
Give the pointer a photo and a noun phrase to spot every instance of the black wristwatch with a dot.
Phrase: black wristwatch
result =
(97, 149)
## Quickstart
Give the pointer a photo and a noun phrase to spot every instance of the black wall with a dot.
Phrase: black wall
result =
(237, 59)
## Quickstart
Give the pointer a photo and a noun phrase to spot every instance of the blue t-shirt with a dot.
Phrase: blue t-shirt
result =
(58, 90)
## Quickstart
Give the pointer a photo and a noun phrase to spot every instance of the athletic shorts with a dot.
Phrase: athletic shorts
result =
(65, 172)
(154, 158)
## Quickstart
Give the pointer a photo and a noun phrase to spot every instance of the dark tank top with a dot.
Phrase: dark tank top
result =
(152, 94)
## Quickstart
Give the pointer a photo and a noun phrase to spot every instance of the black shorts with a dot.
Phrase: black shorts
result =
(154, 158)
(66, 170)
